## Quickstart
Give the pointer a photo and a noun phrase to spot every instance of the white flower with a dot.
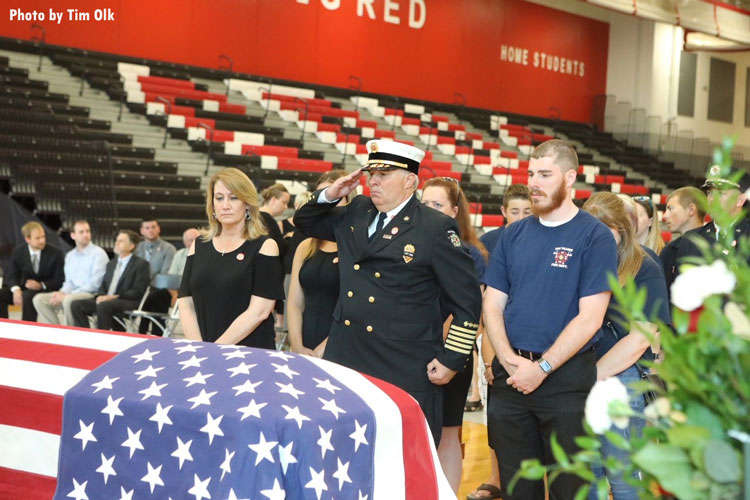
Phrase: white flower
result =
(657, 409)
(607, 399)
(739, 320)
(696, 284)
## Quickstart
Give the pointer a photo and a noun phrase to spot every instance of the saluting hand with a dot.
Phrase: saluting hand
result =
(527, 377)
(344, 185)
(438, 373)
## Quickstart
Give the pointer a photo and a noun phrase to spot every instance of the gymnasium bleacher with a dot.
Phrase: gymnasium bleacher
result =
(113, 139)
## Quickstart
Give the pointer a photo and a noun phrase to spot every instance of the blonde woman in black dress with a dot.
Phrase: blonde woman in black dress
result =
(233, 275)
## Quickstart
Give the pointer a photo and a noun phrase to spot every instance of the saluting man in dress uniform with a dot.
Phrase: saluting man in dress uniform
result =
(730, 186)
(396, 258)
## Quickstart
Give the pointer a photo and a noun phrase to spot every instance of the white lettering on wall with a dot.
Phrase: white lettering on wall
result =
(389, 7)
(331, 4)
(542, 60)
(415, 22)
(362, 4)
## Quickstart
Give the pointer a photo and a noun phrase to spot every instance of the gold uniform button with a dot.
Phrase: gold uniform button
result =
(347, 322)
(377, 275)
(350, 293)
(371, 299)
(356, 267)
(369, 328)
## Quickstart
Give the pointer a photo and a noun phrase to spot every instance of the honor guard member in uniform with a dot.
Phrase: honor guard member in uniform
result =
(396, 258)
(729, 186)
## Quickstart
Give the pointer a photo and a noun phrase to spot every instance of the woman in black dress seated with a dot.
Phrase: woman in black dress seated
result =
(314, 288)
(233, 274)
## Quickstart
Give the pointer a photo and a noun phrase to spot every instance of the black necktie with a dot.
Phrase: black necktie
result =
(379, 225)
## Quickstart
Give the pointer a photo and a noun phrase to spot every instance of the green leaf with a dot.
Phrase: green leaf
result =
(560, 456)
(588, 443)
(670, 465)
(602, 489)
(582, 493)
(688, 436)
(721, 461)
(700, 416)
(617, 440)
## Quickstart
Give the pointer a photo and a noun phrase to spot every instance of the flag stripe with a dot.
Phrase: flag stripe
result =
(18, 484)
(60, 355)
(388, 471)
(33, 410)
(39, 377)
(74, 337)
(28, 450)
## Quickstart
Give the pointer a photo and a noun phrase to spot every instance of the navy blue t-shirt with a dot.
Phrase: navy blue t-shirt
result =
(545, 271)
(651, 277)
(489, 239)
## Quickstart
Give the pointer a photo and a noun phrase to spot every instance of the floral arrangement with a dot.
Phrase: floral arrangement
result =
(696, 444)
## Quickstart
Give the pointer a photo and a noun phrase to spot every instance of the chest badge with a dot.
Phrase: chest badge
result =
(562, 254)
(335, 260)
(394, 231)
(240, 256)
(408, 252)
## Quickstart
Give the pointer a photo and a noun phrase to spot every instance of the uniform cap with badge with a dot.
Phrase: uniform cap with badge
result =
(722, 178)
(391, 155)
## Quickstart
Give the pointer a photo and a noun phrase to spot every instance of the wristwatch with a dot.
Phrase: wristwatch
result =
(545, 366)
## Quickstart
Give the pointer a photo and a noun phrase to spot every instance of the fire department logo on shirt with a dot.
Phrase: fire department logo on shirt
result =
(562, 254)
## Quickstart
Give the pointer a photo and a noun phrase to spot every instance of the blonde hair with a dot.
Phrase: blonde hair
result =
(458, 199)
(562, 153)
(689, 194)
(331, 177)
(30, 227)
(654, 241)
(243, 188)
(611, 210)
(300, 198)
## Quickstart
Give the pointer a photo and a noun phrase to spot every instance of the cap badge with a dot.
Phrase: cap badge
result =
(408, 252)
(715, 170)
(374, 147)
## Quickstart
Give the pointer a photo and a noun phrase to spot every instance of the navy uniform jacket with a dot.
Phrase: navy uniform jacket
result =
(387, 322)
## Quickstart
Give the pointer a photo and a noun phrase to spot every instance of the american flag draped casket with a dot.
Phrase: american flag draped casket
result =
(98, 415)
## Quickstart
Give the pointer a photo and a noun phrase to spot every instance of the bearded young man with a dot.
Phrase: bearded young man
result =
(547, 293)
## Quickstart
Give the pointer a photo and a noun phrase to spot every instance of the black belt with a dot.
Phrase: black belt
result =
(533, 356)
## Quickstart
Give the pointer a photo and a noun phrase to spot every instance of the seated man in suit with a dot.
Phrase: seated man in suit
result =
(125, 282)
(34, 267)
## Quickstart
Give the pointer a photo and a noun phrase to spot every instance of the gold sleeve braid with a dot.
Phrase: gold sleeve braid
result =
(461, 339)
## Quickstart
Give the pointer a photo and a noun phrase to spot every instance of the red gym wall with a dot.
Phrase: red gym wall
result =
(452, 46)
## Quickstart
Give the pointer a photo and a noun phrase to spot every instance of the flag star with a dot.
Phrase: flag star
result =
(242, 368)
(126, 495)
(233, 496)
(192, 362)
(153, 477)
(229, 346)
(106, 468)
(362, 496)
(327, 385)
(294, 414)
(252, 409)
(325, 441)
(212, 427)
(235, 353)
(280, 354)
(331, 406)
(187, 348)
(225, 466)
(284, 369)
(144, 356)
(277, 493)
(112, 409)
(248, 386)
(79, 491)
(160, 416)
(204, 398)
(86, 434)
(133, 442)
(153, 390)
(359, 435)
(105, 383)
(182, 452)
(286, 457)
(317, 482)
(198, 378)
(289, 389)
(263, 449)
(200, 488)
(342, 473)
(149, 372)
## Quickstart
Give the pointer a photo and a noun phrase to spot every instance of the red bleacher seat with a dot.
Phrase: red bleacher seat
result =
(280, 151)
(329, 127)
(508, 154)
(609, 179)
(582, 194)
(666, 236)
(367, 124)
(473, 136)
(631, 189)
(160, 80)
(407, 120)
(193, 122)
(492, 220)
(439, 118)
(288, 98)
(446, 140)
(344, 138)
(305, 165)
(475, 208)
(389, 134)
(456, 126)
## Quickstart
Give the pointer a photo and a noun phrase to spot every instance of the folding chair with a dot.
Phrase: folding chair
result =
(170, 318)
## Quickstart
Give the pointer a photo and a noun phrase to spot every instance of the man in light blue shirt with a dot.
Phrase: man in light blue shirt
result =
(84, 270)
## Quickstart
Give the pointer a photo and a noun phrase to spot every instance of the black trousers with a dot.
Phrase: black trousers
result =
(105, 312)
(28, 311)
(158, 300)
(520, 426)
